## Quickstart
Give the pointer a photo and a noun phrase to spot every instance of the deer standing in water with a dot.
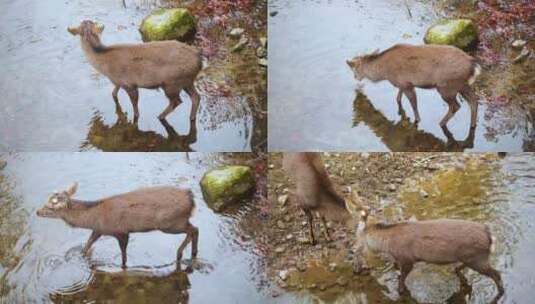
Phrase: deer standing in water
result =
(163, 208)
(170, 65)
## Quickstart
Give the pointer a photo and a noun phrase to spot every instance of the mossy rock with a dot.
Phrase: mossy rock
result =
(226, 185)
(461, 33)
(168, 24)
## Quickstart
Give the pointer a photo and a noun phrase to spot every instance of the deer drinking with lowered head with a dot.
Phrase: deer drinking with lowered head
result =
(170, 65)
(441, 241)
(163, 208)
(315, 191)
(442, 67)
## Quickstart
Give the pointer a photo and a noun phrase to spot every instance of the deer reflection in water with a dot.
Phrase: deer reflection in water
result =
(129, 287)
(126, 136)
(403, 135)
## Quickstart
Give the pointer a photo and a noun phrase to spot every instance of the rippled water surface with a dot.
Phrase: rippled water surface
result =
(53, 100)
(41, 261)
(313, 102)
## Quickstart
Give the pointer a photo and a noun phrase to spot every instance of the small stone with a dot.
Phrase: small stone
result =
(283, 274)
(303, 223)
(280, 225)
(312, 286)
(518, 44)
(263, 42)
(323, 287)
(289, 236)
(279, 249)
(283, 199)
(287, 218)
(263, 62)
(261, 52)
(273, 13)
(240, 45)
(282, 283)
(271, 166)
(236, 32)
(523, 54)
(332, 267)
(3, 164)
(423, 193)
(301, 267)
(392, 187)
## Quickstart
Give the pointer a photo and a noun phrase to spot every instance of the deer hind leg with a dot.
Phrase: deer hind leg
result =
(405, 269)
(123, 243)
(468, 93)
(484, 268)
(453, 105)
(310, 219)
(195, 101)
(133, 93)
(174, 101)
(411, 95)
(463, 282)
(194, 241)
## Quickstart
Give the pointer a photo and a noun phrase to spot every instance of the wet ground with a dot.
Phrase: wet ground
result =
(478, 187)
(313, 100)
(55, 101)
(41, 259)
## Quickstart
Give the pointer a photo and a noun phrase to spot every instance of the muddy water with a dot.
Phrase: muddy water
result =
(313, 100)
(41, 259)
(54, 100)
(499, 193)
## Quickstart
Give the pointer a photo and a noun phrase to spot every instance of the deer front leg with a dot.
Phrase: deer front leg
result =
(310, 218)
(92, 238)
(123, 243)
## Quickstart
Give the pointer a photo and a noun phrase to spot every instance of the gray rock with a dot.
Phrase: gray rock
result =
(3, 164)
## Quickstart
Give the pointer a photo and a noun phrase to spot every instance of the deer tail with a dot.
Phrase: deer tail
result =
(476, 71)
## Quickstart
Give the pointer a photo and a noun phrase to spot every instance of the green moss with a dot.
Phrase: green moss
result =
(461, 33)
(168, 24)
(226, 185)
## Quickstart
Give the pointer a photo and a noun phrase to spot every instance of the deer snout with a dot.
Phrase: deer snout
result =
(45, 212)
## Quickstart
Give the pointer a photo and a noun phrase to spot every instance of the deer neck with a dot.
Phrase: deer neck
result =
(81, 214)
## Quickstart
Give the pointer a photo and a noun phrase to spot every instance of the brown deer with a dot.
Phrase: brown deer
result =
(163, 208)
(442, 241)
(445, 68)
(315, 191)
(170, 65)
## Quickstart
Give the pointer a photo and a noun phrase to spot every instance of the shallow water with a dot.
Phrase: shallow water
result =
(499, 193)
(313, 103)
(41, 257)
(53, 98)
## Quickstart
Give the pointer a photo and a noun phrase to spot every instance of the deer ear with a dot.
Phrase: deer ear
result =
(349, 63)
(72, 189)
(73, 30)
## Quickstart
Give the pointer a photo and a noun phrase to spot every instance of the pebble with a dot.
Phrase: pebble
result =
(240, 45)
(301, 267)
(283, 274)
(302, 240)
(392, 187)
(263, 42)
(289, 236)
(518, 44)
(283, 199)
(287, 218)
(263, 62)
(279, 249)
(273, 13)
(271, 166)
(236, 32)
(280, 224)
(523, 54)
(332, 266)
(3, 164)
(423, 193)
(261, 52)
